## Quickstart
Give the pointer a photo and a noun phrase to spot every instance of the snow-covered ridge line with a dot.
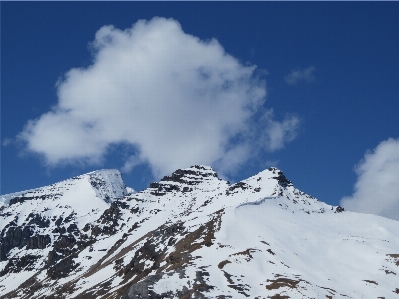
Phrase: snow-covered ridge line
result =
(107, 184)
(5, 199)
(258, 202)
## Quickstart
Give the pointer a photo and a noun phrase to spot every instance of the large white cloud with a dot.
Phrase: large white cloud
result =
(177, 99)
(377, 187)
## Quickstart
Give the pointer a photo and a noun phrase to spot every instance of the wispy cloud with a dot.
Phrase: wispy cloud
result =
(377, 187)
(7, 141)
(176, 99)
(298, 75)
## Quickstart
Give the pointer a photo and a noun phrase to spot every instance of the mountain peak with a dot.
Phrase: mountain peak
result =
(184, 179)
(278, 175)
(191, 175)
(270, 177)
(108, 184)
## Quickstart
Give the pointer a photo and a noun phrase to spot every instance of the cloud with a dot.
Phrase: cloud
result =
(176, 99)
(306, 75)
(130, 163)
(7, 142)
(278, 133)
(377, 188)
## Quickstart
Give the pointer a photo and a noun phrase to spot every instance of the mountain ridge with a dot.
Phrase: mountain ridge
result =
(192, 235)
(109, 179)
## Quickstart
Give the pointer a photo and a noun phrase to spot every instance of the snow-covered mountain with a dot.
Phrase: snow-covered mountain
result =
(191, 235)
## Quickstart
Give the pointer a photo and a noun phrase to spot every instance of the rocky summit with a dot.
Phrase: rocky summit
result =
(191, 235)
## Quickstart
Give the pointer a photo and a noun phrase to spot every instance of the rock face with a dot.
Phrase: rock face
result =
(191, 235)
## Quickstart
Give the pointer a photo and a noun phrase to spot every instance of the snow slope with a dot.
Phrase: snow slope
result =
(192, 235)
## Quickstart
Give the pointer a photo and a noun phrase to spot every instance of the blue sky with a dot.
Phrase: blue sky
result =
(330, 72)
